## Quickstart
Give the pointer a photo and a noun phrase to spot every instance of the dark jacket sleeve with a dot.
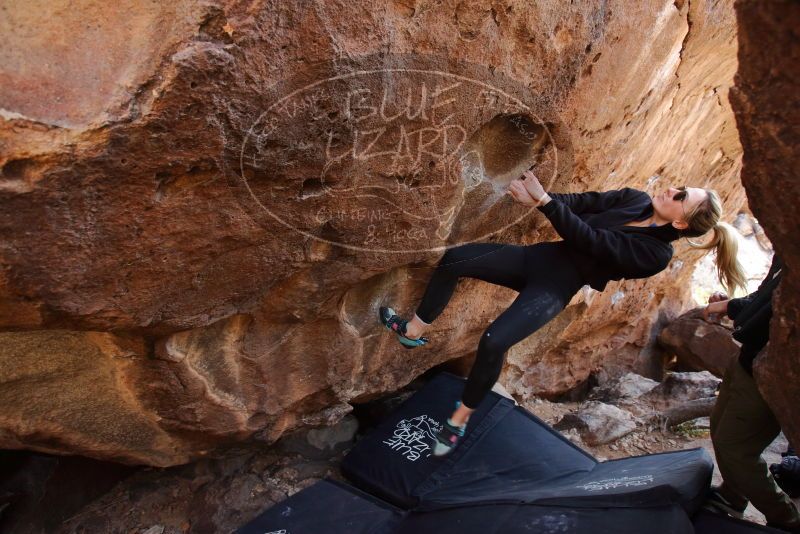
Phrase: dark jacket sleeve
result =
(755, 331)
(594, 201)
(735, 306)
(634, 254)
(752, 314)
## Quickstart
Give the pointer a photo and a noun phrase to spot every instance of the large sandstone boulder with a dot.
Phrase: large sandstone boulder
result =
(766, 100)
(82, 395)
(680, 397)
(237, 187)
(678, 388)
(698, 344)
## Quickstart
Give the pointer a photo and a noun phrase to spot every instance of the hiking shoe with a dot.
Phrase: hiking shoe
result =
(717, 503)
(447, 438)
(787, 475)
(393, 322)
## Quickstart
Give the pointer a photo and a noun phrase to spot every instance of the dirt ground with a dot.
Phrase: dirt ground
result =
(654, 440)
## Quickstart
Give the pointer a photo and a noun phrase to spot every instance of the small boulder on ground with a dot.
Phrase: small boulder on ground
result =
(322, 442)
(627, 386)
(334, 437)
(598, 423)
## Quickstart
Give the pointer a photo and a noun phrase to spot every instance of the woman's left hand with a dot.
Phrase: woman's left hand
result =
(715, 310)
(531, 183)
(717, 296)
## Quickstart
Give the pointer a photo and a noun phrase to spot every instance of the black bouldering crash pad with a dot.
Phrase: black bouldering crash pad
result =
(511, 474)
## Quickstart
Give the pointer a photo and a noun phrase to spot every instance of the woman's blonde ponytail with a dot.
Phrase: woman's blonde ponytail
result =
(726, 245)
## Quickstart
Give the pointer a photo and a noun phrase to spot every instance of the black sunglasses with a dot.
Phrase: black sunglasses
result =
(680, 196)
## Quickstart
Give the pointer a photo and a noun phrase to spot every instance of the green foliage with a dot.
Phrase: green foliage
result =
(689, 430)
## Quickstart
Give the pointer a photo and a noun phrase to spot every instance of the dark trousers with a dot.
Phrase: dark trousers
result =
(742, 426)
(545, 278)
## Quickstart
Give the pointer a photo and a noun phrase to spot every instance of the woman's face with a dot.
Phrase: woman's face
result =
(671, 209)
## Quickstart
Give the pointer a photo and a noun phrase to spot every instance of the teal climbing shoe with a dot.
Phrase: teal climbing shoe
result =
(393, 322)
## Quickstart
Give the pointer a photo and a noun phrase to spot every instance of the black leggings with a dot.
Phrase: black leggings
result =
(544, 276)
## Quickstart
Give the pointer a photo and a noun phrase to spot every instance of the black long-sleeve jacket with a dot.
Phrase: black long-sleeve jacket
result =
(751, 316)
(592, 225)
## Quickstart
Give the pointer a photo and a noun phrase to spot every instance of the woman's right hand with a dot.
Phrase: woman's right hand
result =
(519, 193)
(534, 188)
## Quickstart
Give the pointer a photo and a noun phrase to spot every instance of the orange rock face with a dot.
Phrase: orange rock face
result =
(767, 105)
(235, 189)
(699, 345)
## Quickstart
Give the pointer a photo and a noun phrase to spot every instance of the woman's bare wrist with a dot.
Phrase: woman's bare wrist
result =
(544, 200)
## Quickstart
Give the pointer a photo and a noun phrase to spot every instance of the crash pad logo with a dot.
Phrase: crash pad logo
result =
(281, 531)
(385, 159)
(622, 482)
(412, 438)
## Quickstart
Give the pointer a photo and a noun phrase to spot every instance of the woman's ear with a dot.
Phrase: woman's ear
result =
(680, 225)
